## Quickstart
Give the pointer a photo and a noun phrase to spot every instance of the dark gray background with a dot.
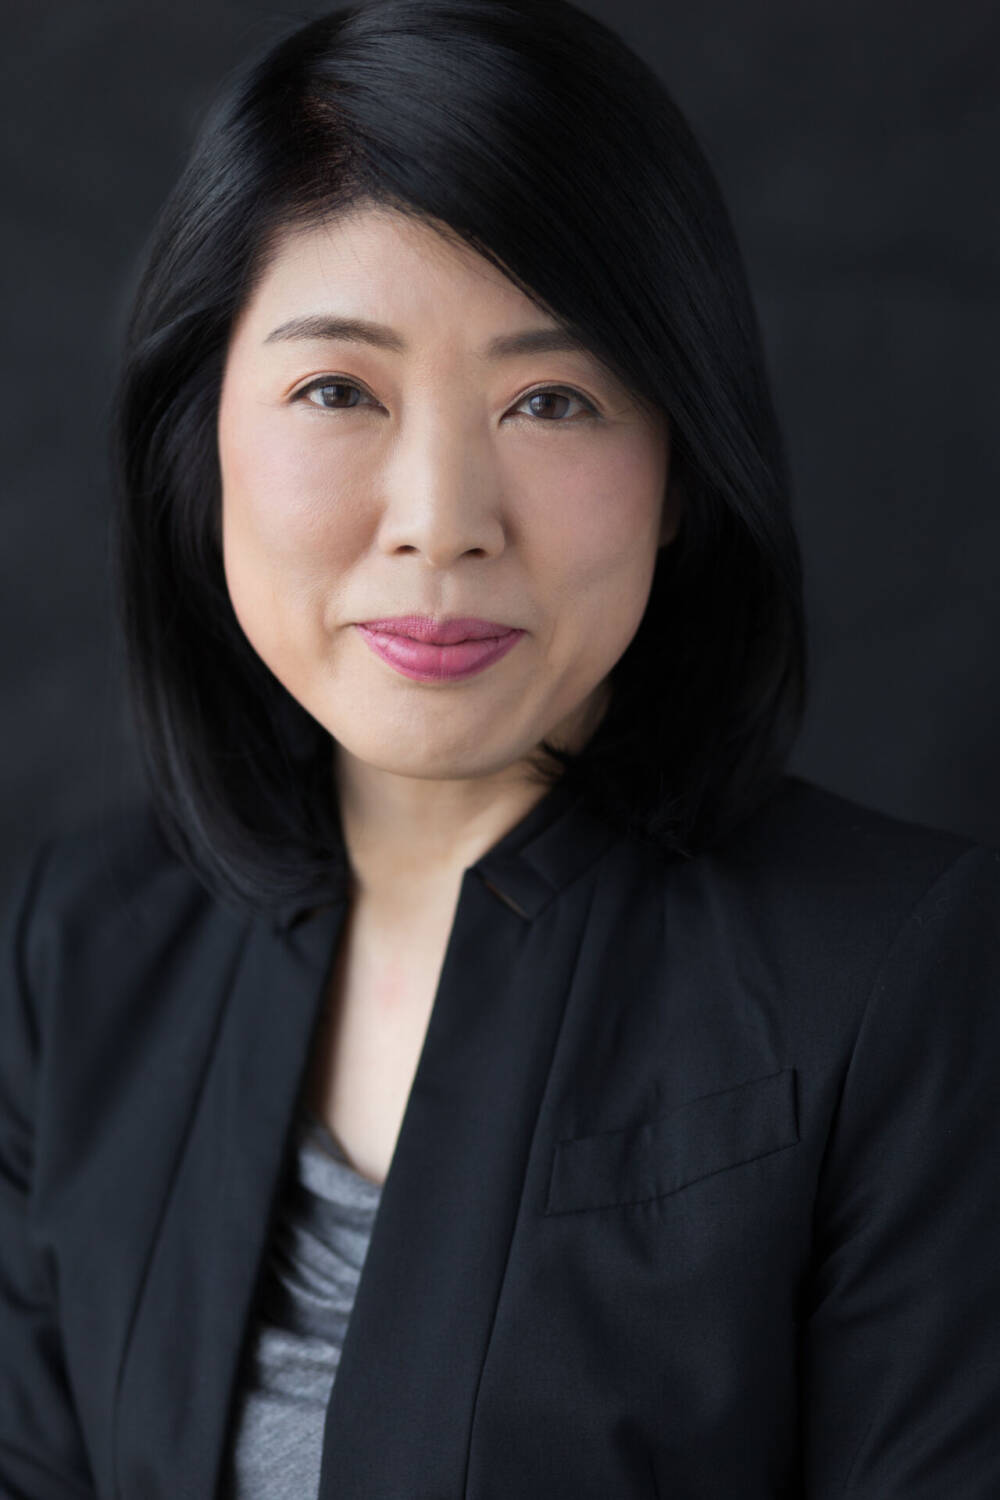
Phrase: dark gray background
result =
(857, 146)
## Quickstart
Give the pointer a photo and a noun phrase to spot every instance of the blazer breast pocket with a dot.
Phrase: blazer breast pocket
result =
(660, 1156)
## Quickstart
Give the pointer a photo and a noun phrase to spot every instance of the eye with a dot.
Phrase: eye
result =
(548, 394)
(317, 393)
(325, 384)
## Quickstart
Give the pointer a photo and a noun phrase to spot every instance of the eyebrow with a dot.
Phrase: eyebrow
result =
(360, 331)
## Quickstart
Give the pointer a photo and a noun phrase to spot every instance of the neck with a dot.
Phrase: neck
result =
(410, 840)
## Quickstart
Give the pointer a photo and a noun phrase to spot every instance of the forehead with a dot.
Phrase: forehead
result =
(381, 263)
(378, 277)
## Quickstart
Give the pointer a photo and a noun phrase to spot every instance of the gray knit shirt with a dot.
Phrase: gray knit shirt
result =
(317, 1250)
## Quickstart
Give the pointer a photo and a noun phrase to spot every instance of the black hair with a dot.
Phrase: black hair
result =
(531, 132)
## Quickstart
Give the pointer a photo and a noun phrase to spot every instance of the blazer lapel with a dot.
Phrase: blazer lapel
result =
(399, 1419)
(182, 1362)
(400, 1416)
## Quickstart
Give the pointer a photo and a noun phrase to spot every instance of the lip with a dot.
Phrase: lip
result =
(425, 660)
(449, 630)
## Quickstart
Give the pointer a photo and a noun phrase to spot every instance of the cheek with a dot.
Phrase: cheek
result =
(291, 523)
(280, 553)
(273, 489)
(601, 528)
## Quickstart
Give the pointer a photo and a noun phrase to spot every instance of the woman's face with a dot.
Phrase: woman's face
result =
(362, 481)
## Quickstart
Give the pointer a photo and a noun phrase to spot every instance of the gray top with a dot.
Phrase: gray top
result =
(320, 1240)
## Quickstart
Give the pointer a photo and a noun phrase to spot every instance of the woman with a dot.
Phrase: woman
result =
(480, 1069)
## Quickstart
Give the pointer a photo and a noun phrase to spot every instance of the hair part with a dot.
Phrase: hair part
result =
(530, 132)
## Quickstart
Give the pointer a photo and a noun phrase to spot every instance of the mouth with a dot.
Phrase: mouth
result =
(430, 660)
(445, 631)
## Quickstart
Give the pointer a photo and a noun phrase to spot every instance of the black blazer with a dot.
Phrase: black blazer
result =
(695, 1195)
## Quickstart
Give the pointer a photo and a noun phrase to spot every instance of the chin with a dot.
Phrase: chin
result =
(427, 762)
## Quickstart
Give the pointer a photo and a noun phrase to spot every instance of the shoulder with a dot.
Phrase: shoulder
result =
(112, 955)
(110, 868)
(115, 854)
(819, 834)
(828, 858)
(103, 901)
(814, 900)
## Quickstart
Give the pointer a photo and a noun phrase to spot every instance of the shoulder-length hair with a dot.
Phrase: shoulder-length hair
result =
(534, 134)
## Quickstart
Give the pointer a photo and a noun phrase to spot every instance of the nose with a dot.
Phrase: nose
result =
(443, 493)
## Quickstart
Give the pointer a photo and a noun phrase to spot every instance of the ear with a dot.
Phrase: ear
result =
(674, 502)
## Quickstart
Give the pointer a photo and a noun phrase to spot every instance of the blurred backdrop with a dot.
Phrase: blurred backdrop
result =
(857, 144)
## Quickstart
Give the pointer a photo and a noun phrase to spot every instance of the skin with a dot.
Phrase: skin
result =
(434, 489)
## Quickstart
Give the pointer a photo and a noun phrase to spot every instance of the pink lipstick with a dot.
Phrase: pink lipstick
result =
(429, 650)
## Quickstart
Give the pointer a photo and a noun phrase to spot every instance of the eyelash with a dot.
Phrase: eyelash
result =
(589, 409)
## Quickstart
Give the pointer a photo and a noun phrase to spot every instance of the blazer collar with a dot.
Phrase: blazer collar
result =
(555, 841)
(400, 1416)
